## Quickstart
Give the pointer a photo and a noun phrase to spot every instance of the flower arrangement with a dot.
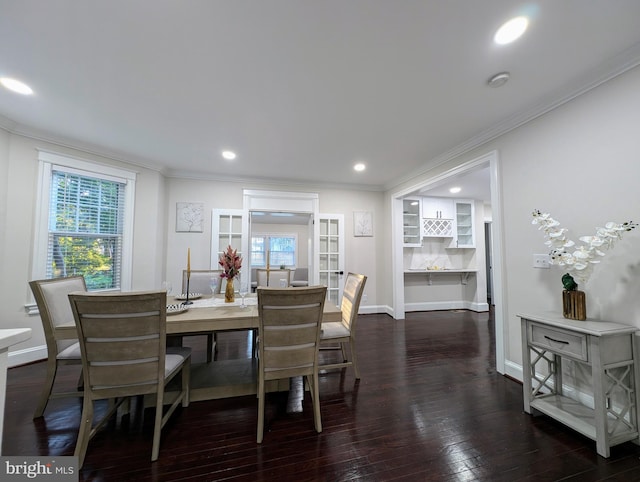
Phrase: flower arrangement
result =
(230, 263)
(581, 260)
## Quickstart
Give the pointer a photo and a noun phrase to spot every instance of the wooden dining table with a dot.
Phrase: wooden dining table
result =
(224, 378)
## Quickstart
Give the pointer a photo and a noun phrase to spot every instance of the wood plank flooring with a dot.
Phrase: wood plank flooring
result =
(429, 407)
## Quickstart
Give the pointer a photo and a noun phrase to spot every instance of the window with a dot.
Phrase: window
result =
(280, 248)
(84, 223)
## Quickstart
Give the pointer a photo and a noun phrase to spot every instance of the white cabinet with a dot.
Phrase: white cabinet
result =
(437, 208)
(411, 222)
(605, 349)
(464, 231)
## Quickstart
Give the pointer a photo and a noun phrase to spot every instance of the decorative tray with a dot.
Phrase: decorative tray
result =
(176, 309)
(192, 296)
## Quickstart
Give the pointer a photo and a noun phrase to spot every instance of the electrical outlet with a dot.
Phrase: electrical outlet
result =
(541, 261)
(364, 298)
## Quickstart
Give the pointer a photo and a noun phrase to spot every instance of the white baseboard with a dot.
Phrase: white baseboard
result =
(28, 355)
(446, 305)
(372, 309)
(513, 370)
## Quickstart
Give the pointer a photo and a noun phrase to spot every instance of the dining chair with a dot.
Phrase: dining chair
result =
(123, 345)
(273, 278)
(300, 277)
(199, 281)
(53, 305)
(289, 336)
(344, 332)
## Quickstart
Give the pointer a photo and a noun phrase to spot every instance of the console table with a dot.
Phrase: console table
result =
(610, 351)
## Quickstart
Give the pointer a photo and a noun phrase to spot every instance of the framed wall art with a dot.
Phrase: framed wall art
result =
(362, 223)
(189, 217)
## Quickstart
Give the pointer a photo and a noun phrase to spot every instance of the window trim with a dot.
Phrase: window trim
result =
(47, 162)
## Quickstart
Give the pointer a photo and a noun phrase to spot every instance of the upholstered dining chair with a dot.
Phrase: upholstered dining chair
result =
(53, 305)
(300, 277)
(199, 281)
(272, 278)
(289, 335)
(123, 345)
(344, 332)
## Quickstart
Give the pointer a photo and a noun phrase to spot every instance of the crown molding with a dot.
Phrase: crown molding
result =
(614, 67)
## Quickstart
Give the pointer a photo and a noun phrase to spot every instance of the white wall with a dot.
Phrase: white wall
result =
(362, 253)
(19, 169)
(580, 162)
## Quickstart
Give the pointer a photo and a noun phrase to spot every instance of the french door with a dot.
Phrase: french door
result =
(331, 255)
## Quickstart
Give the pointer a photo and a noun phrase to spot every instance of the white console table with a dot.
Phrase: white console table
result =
(609, 349)
(8, 337)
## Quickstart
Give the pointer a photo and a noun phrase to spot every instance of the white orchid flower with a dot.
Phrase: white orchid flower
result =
(580, 262)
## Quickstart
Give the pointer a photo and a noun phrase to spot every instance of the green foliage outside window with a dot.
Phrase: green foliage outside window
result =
(85, 229)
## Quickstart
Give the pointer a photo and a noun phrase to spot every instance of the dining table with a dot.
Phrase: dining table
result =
(208, 313)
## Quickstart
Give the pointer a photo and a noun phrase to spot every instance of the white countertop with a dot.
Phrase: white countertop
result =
(13, 336)
(444, 270)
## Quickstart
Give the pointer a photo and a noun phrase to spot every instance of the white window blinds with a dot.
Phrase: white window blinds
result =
(85, 228)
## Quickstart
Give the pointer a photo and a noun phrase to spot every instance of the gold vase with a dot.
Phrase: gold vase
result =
(229, 294)
(574, 305)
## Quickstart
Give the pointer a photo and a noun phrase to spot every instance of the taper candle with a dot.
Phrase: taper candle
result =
(188, 261)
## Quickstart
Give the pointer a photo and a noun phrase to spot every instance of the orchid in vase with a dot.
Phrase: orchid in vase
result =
(579, 261)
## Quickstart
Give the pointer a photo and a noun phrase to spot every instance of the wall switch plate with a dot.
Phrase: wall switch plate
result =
(541, 261)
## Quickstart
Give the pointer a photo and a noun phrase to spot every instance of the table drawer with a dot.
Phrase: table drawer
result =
(563, 342)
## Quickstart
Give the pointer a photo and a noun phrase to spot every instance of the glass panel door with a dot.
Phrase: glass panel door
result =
(331, 255)
(227, 229)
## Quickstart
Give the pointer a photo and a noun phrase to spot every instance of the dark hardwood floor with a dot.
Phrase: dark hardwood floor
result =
(429, 407)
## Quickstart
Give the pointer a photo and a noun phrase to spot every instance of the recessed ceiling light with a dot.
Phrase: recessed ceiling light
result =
(359, 167)
(511, 30)
(455, 190)
(16, 86)
(229, 155)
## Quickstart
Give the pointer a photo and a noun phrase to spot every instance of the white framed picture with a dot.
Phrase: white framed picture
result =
(362, 223)
(189, 217)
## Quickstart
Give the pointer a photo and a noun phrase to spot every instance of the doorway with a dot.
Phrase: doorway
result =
(490, 162)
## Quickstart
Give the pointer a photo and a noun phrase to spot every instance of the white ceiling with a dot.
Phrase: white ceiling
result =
(300, 89)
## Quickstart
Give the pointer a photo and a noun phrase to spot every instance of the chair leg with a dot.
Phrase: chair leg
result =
(45, 393)
(84, 433)
(157, 427)
(210, 346)
(186, 383)
(344, 352)
(254, 343)
(81, 380)
(315, 396)
(261, 396)
(352, 343)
